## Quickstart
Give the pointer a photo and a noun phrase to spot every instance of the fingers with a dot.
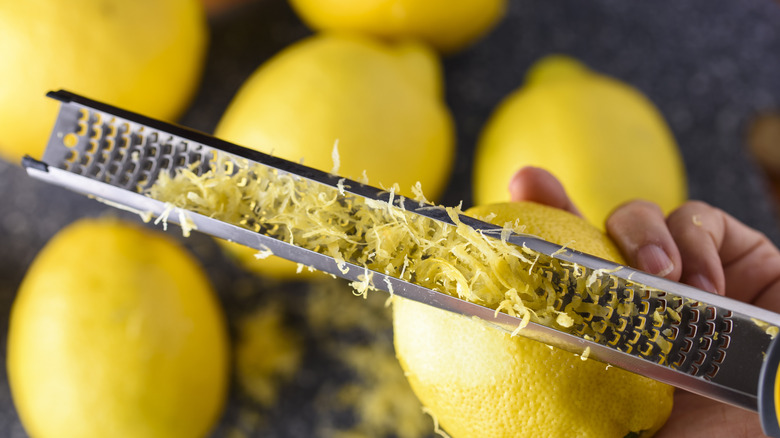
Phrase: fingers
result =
(538, 185)
(699, 230)
(683, 247)
(696, 416)
(639, 229)
(751, 264)
(721, 253)
(699, 245)
(755, 276)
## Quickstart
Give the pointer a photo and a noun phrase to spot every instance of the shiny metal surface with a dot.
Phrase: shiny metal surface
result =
(708, 344)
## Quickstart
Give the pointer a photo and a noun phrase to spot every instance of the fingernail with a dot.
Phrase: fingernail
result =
(652, 259)
(702, 282)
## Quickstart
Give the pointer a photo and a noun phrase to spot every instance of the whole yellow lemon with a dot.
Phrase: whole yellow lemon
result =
(448, 25)
(481, 382)
(602, 138)
(143, 55)
(116, 332)
(382, 103)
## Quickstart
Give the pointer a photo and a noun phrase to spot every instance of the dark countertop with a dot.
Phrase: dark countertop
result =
(709, 66)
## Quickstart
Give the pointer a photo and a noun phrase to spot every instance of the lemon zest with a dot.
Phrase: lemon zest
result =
(769, 329)
(263, 253)
(336, 159)
(380, 236)
(562, 249)
(186, 223)
(146, 216)
(436, 429)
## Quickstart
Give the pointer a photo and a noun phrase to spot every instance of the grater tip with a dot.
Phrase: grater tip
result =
(30, 162)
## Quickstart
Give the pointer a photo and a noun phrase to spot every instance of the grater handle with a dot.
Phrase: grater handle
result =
(769, 391)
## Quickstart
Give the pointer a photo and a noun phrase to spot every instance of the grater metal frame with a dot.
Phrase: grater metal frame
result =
(717, 347)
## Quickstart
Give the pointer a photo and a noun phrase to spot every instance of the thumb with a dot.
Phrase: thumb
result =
(538, 185)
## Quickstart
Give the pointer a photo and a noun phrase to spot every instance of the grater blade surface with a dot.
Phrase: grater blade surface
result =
(665, 330)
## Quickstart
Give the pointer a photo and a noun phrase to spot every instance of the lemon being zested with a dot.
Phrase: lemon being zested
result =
(480, 382)
(116, 332)
(602, 138)
(142, 55)
(473, 383)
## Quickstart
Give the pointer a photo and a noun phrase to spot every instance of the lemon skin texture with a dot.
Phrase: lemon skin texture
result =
(481, 382)
(447, 25)
(382, 103)
(116, 332)
(141, 55)
(604, 140)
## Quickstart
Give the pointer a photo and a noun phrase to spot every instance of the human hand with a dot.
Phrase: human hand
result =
(696, 244)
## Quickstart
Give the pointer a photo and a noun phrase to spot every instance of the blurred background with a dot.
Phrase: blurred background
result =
(711, 68)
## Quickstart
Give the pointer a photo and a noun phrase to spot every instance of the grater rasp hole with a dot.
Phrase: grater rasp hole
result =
(70, 140)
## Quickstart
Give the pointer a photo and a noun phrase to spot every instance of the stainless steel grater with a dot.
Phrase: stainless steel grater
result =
(677, 334)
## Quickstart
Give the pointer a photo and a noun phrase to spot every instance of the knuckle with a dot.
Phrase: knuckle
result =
(642, 206)
(692, 213)
(632, 209)
(694, 206)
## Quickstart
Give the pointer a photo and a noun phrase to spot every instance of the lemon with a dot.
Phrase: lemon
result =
(481, 382)
(448, 25)
(382, 103)
(602, 138)
(142, 55)
(116, 332)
